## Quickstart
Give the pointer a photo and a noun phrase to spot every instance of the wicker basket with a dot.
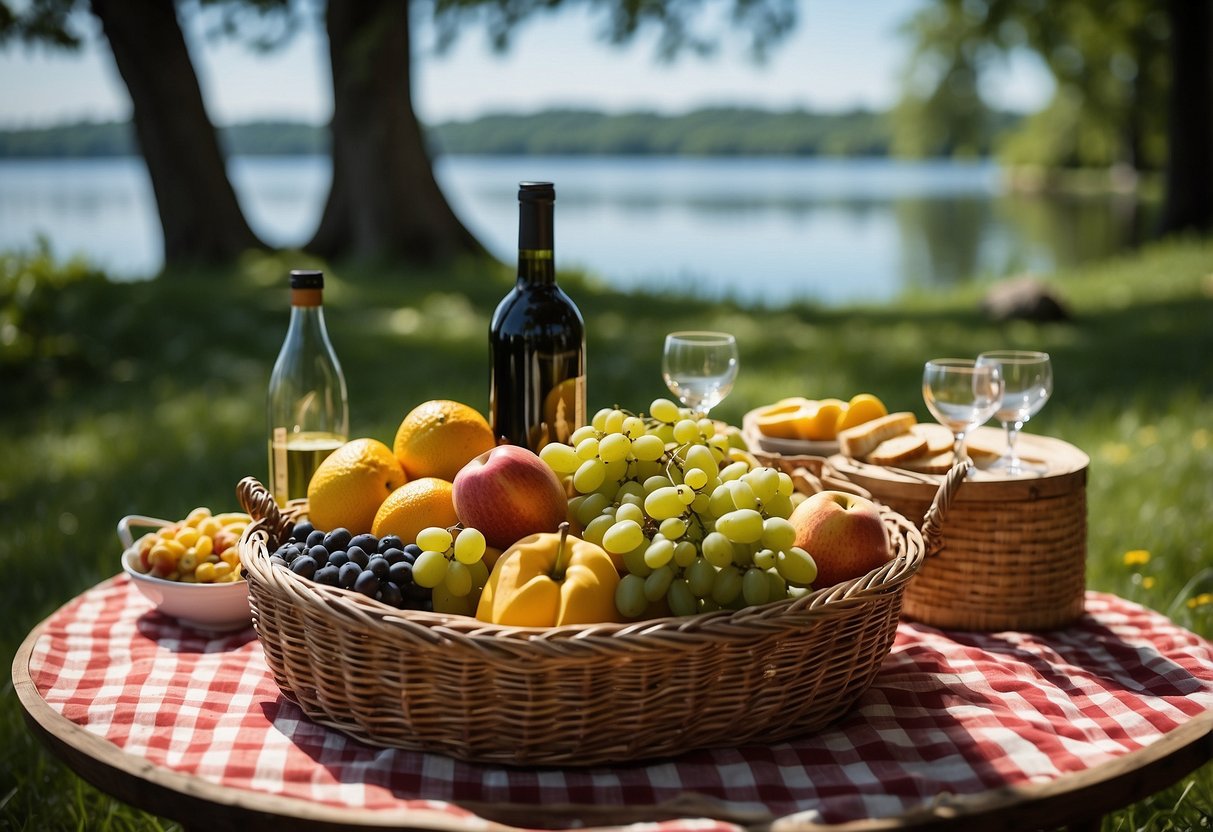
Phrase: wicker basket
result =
(576, 695)
(1013, 551)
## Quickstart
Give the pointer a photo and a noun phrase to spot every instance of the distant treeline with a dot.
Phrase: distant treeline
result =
(707, 132)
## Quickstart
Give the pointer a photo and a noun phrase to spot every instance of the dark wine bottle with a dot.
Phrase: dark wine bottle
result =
(536, 339)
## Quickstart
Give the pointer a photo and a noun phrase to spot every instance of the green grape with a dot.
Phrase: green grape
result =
(680, 599)
(700, 504)
(663, 410)
(721, 501)
(458, 578)
(615, 472)
(718, 549)
(596, 528)
(630, 511)
(733, 470)
(590, 508)
(763, 481)
(633, 427)
(743, 554)
(658, 583)
(633, 561)
(754, 586)
(778, 587)
(700, 457)
(613, 422)
(727, 585)
(708, 605)
(795, 565)
(685, 494)
(659, 553)
(429, 569)
(642, 469)
(673, 528)
(614, 447)
(469, 546)
(685, 553)
(629, 596)
(778, 506)
(696, 478)
(664, 503)
(741, 526)
(434, 538)
(560, 458)
(589, 476)
(707, 428)
(599, 420)
(629, 488)
(786, 486)
(764, 558)
(632, 500)
(686, 430)
(652, 483)
(587, 448)
(648, 448)
(778, 534)
(700, 577)
(743, 495)
(582, 433)
(719, 445)
(622, 537)
(665, 433)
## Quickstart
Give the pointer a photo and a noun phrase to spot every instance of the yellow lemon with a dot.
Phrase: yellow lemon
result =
(414, 506)
(439, 437)
(863, 407)
(349, 486)
(818, 425)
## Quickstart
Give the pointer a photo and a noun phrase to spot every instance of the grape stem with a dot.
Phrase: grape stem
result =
(561, 553)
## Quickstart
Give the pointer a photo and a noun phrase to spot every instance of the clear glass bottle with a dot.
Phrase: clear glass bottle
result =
(307, 406)
(537, 390)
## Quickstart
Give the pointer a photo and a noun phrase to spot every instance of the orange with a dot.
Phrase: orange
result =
(414, 506)
(863, 407)
(439, 437)
(349, 486)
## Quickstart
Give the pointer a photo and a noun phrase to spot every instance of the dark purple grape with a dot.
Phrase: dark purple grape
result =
(357, 556)
(326, 575)
(366, 542)
(347, 574)
(337, 539)
(400, 573)
(393, 555)
(314, 538)
(305, 566)
(367, 584)
(379, 566)
(302, 530)
(318, 554)
(412, 549)
(415, 593)
(339, 559)
(389, 594)
(390, 541)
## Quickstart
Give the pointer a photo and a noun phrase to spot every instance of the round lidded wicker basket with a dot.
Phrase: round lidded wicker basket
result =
(575, 695)
(1012, 551)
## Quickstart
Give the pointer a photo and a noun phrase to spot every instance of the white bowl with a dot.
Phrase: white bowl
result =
(215, 607)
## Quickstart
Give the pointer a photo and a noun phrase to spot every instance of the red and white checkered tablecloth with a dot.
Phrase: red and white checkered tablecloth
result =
(949, 713)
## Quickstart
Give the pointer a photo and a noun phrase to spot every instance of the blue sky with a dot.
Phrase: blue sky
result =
(843, 53)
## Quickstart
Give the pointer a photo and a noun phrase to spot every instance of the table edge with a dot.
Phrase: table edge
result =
(134, 780)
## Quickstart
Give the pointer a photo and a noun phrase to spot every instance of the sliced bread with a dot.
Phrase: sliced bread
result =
(893, 451)
(940, 463)
(939, 438)
(861, 440)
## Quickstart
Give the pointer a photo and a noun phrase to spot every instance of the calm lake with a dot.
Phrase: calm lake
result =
(761, 230)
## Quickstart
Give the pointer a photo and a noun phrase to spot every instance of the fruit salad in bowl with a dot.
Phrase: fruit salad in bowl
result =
(190, 569)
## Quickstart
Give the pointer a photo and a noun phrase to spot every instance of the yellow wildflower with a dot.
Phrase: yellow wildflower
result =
(1137, 557)
(1148, 582)
(1202, 600)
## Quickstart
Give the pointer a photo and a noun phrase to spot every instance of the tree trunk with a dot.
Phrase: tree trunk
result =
(384, 201)
(199, 214)
(1188, 203)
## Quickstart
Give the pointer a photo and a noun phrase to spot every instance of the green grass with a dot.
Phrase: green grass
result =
(149, 398)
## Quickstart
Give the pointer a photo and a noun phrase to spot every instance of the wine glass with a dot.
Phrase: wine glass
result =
(1027, 378)
(961, 394)
(699, 367)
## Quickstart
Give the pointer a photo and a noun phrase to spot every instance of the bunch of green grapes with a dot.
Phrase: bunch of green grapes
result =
(694, 523)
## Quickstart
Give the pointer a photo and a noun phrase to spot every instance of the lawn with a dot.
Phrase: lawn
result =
(149, 398)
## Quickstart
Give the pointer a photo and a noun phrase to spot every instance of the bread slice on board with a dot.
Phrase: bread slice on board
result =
(940, 463)
(902, 447)
(861, 440)
(939, 438)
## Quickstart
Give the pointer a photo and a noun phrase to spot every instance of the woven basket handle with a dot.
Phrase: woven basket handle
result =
(932, 523)
(257, 501)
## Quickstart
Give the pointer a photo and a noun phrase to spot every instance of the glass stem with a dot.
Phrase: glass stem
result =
(1013, 429)
(958, 449)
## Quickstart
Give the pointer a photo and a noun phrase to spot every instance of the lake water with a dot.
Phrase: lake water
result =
(762, 230)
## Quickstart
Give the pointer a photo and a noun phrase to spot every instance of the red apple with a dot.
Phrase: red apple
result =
(843, 533)
(507, 493)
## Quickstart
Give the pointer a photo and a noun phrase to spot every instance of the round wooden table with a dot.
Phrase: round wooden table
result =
(959, 730)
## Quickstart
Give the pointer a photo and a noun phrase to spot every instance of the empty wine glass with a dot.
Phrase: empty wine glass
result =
(1027, 379)
(961, 394)
(699, 367)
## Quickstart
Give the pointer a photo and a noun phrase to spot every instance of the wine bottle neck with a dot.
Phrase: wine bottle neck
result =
(307, 320)
(535, 236)
(536, 267)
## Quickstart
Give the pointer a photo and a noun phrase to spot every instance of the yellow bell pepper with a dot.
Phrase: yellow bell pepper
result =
(550, 579)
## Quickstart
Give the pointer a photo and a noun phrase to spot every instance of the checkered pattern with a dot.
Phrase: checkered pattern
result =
(949, 714)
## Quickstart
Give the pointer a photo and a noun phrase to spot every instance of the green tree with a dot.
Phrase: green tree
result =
(1133, 87)
(384, 201)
